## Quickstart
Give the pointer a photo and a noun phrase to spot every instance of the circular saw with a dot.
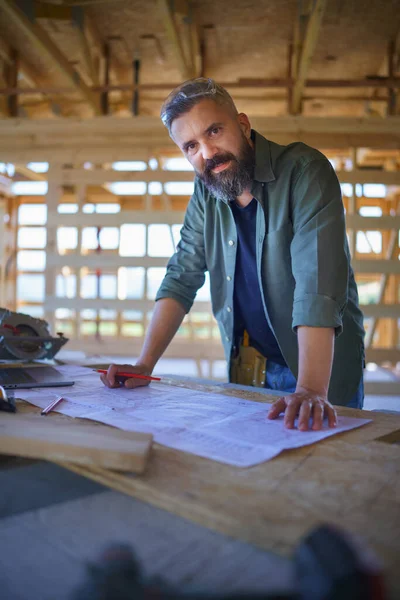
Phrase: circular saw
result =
(23, 337)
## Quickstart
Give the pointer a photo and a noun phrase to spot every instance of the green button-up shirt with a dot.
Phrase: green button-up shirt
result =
(303, 259)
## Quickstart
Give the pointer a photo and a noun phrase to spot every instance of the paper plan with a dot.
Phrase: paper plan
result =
(223, 428)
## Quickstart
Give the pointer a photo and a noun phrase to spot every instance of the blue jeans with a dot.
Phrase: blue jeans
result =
(281, 378)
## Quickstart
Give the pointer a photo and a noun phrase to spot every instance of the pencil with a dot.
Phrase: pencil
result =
(130, 375)
(52, 405)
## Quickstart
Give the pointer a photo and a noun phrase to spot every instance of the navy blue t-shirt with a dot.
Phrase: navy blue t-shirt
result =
(248, 305)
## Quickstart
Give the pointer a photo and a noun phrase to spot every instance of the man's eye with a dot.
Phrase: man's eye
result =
(215, 130)
(190, 148)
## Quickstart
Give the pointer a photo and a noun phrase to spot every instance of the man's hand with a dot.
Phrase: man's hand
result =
(306, 404)
(111, 380)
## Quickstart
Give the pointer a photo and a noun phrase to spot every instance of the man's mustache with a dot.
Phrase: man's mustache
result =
(218, 159)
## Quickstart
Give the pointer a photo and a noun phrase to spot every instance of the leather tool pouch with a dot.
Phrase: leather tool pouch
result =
(247, 366)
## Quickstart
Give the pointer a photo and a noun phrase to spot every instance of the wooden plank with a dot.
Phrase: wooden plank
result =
(381, 311)
(384, 388)
(117, 126)
(376, 266)
(372, 223)
(390, 255)
(186, 69)
(43, 42)
(350, 479)
(307, 50)
(380, 355)
(172, 217)
(110, 261)
(369, 176)
(36, 436)
(27, 72)
(99, 176)
(131, 346)
(53, 302)
(105, 139)
(78, 19)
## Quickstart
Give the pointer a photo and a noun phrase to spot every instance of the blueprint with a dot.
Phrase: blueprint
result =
(224, 428)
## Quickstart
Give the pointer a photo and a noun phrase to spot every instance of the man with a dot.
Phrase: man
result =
(267, 222)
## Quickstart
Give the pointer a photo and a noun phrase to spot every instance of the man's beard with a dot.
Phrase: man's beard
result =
(238, 176)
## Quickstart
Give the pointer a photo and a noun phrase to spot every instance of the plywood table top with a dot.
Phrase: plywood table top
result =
(351, 479)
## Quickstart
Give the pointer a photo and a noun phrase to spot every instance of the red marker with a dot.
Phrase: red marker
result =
(130, 375)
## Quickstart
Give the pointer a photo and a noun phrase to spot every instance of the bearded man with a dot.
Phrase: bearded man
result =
(267, 222)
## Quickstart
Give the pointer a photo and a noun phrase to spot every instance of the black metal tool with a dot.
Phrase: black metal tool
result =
(7, 401)
(329, 565)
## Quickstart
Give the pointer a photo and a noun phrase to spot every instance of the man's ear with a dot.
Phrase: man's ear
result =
(244, 124)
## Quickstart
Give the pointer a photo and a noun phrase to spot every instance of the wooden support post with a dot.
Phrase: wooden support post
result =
(10, 266)
(390, 254)
(80, 192)
(168, 18)
(105, 106)
(53, 197)
(353, 207)
(303, 59)
(78, 20)
(392, 93)
(12, 81)
(24, 21)
(135, 97)
(194, 43)
(289, 76)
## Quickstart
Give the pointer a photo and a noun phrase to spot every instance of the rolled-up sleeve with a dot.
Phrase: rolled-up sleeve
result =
(320, 258)
(186, 269)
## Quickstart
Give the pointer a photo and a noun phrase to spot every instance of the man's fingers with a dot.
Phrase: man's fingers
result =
(291, 413)
(304, 415)
(318, 417)
(134, 383)
(276, 409)
(107, 382)
(332, 415)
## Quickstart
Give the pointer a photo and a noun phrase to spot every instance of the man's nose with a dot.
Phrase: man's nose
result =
(208, 151)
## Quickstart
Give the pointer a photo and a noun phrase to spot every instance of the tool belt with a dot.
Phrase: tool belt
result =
(247, 365)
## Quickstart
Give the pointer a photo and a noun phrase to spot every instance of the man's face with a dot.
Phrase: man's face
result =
(217, 144)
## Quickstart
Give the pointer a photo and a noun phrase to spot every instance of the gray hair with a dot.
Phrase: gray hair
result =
(182, 99)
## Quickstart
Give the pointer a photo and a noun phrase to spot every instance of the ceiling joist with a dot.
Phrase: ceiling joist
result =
(306, 39)
(186, 61)
(45, 45)
(27, 72)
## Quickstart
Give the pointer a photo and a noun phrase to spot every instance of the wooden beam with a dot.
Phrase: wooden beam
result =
(383, 388)
(372, 223)
(393, 247)
(369, 176)
(390, 267)
(380, 355)
(107, 261)
(27, 72)
(78, 18)
(386, 66)
(97, 44)
(196, 56)
(43, 42)
(307, 51)
(187, 70)
(29, 174)
(100, 176)
(169, 217)
(380, 311)
(107, 139)
(12, 80)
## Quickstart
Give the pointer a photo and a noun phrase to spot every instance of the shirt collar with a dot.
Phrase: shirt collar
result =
(263, 170)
